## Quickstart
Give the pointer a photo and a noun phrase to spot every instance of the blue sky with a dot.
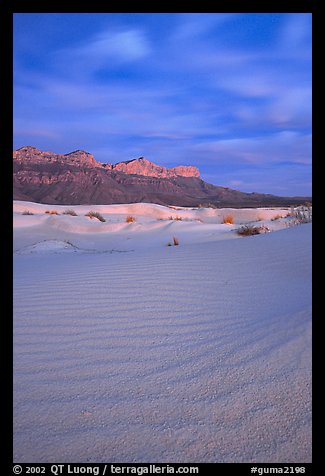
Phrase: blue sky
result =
(229, 93)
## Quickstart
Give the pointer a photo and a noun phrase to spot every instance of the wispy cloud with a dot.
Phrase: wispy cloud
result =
(285, 146)
(295, 33)
(275, 180)
(107, 49)
(293, 107)
(196, 25)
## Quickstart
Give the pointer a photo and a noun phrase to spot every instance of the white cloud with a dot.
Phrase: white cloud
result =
(285, 146)
(35, 130)
(294, 106)
(248, 85)
(126, 45)
(192, 25)
(110, 48)
(296, 31)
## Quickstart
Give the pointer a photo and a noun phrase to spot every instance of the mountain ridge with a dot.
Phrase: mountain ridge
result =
(139, 166)
(78, 178)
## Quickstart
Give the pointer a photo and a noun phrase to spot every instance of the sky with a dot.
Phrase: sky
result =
(227, 92)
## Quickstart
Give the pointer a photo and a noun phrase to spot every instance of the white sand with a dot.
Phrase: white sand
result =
(128, 350)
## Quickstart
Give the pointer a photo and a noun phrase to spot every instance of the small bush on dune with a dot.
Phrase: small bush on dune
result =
(276, 217)
(228, 220)
(70, 212)
(175, 241)
(52, 212)
(248, 230)
(92, 214)
(27, 212)
(130, 219)
(302, 214)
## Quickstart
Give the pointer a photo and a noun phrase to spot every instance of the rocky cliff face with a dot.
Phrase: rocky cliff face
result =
(143, 167)
(81, 158)
(32, 154)
(77, 178)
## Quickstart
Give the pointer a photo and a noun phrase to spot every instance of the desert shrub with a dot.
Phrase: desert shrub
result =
(175, 241)
(276, 217)
(70, 212)
(130, 219)
(52, 212)
(249, 230)
(27, 212)
(302, 214)
(92, 214)
(264, 229)
(228, 220)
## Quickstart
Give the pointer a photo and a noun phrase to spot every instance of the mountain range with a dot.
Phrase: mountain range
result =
(77, 178)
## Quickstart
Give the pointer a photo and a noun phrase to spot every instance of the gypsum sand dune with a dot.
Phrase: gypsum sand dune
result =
(195, 353)
(153, 226)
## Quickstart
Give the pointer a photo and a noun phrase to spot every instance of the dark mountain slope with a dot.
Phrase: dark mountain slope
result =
(77, 178)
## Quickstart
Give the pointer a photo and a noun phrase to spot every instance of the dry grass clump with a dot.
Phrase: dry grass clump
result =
(91, 214)
(249, 230)
(228, 220)
(177, 218)
(130, 219)
(175, 242)
(276, 217)
(27, 212)
(52, 212)
(71, 212)
(302, 214)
